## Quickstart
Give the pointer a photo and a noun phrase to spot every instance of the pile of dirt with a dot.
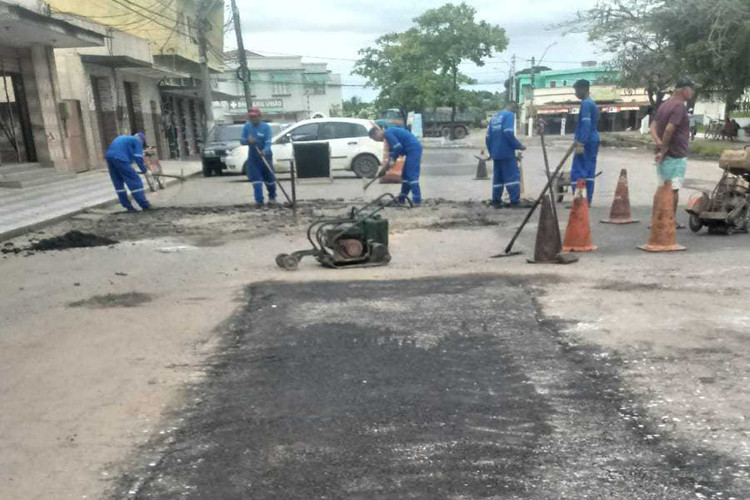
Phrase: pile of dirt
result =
(9, 247)
(132, 299)
(72, 239)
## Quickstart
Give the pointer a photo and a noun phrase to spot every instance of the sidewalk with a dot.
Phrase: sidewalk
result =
(22, 210)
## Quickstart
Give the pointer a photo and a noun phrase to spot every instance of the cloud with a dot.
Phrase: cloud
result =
(337, 29)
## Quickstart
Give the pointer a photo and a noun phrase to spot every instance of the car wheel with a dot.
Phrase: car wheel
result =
(218, 171)
(695, 223)
(365, 166)
(207, 171)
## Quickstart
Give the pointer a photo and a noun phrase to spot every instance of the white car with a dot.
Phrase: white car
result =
(351, 146)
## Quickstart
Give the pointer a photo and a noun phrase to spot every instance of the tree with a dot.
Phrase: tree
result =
(712, 38)
(401, 71)
(630, 30)
(354, 107)
(450, 35)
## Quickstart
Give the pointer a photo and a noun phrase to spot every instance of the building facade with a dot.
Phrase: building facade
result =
(553, 97)
(284, 88)
(33, 126)
(149, 77)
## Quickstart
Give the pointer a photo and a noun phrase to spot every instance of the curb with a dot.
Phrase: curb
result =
(19, 231)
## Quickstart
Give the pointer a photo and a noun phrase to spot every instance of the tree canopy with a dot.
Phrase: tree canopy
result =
(419, 68)
(655, 42)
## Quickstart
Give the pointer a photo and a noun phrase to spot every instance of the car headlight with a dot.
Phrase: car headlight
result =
(209, 152)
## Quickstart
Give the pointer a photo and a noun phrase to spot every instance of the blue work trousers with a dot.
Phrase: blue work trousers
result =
(506, 176)
(410, 177)
(584, 167)
(258, 174)
(123, 174)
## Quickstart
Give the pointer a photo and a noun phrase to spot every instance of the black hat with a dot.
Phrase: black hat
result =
(582, 84)
(684, 82)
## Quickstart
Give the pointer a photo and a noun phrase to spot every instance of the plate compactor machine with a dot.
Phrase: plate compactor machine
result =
(358, 240)
(725, 210)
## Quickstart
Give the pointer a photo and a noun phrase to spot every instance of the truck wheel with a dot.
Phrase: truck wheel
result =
(445, 132)
(365, 166)
(460, 133)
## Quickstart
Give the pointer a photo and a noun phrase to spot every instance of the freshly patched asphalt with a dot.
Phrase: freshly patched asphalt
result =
(421, 389)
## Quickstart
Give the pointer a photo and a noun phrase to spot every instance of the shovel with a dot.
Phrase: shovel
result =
(273, 174)
(369, 182)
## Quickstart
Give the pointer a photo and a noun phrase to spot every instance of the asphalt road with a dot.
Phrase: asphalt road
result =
(420, 389)
(160, 366)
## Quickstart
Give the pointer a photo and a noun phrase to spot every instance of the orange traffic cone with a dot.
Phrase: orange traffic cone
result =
(578, 234)
(393, 176)
(548, 248)
(620, 212)
(663, 225)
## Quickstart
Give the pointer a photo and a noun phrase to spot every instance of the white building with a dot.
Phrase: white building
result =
(284, 88)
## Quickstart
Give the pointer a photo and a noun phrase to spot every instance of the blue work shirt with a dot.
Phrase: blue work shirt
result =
(501, 140)
(127, 148)
(401, 142)
(587, 130)
(261, 133)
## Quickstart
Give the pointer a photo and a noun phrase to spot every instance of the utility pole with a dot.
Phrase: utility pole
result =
(531, 100)
(512, 97)
(242, 56)
(203, 28)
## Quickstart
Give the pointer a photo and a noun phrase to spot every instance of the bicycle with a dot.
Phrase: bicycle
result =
(714, 130)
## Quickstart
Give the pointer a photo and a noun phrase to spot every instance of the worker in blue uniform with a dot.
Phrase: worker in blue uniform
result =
(257, 135)
(122, 152)
(401, 142)
(502, 146)
(586, 140)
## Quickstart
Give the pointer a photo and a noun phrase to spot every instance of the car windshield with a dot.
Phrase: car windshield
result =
(227, 133)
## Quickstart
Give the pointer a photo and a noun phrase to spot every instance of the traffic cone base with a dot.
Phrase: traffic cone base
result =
(578, 233)
(561, 258)
(612, 221)
(657, 248)
(589, 248)
(620, 212)
(663, 228)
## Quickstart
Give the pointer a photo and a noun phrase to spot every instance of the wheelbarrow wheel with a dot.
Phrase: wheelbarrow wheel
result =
(286, 261)
(695, 223)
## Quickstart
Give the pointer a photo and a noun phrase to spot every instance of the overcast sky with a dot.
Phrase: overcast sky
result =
(334, 30)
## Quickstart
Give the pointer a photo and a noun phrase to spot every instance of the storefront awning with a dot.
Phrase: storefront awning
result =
(320, 78)
(21, 27)
(282, 77)
(194, 92)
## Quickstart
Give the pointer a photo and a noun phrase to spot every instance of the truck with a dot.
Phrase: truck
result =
(437, 122)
